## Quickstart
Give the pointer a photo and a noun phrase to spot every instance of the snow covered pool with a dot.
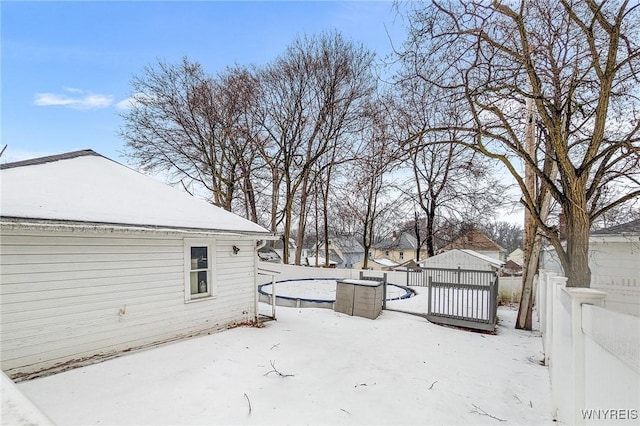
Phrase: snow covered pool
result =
(317, 293)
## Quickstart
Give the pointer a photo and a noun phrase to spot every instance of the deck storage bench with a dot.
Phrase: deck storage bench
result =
(361, 298)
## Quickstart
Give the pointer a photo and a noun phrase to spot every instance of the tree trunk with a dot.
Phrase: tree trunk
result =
(302, 220)
(250, 199)
(578, 226)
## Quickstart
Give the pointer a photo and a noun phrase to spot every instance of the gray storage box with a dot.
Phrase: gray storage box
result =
(362, 298)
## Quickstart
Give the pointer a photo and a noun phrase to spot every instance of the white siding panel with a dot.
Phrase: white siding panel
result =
(68, 296)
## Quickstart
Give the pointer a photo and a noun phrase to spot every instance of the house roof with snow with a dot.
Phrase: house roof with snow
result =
(492, 260)
(474, 240)
(86, 187)
(404, 241)
(311, 261)
(629, 228)
(347, 244)
(466, 252)
(388, 263)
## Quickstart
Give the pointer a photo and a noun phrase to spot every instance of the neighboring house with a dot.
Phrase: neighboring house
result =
(478, 242)
(463, 259)
(398, 247)
(320, 262)
(278, 248)
(345, 251)
(614, 260)
(511, 268)
(380, 265)
(268, 254)
(97, 259)
(516, 256)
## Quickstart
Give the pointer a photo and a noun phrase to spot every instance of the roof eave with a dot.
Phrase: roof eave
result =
(35, 224)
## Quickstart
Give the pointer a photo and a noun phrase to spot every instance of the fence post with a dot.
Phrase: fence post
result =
(494, 298)
(429, 296)
(548, 313)
(384, 291)
(580, 296)
(557, 283)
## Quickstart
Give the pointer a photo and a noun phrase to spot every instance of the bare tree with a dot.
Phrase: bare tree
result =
(369, 190)
(578, 60)
(449, 179)
(310, 96)
(189, 125)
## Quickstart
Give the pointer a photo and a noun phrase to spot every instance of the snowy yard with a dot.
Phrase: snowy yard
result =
(398, 369)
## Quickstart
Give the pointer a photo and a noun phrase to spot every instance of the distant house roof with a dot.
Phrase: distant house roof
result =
(512, 267)
(84, 186)
(629, 228)
(269, 255)
(347, 244)
(489, 259)
(516, 256)
(311, 261)
(473, 240)
(404, 241)
(279, 244)
(385, 262)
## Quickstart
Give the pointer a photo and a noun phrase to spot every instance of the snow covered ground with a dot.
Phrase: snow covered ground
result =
(314, 366)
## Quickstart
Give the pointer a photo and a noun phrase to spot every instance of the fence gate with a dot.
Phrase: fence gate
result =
(464, 298)
(459, 297)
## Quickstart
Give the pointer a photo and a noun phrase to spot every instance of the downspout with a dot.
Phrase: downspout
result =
(256, 259)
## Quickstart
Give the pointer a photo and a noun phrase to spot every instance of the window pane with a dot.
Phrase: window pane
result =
(199, 259)
(199, 283)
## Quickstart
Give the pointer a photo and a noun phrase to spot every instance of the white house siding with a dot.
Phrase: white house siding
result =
(615, 269)
(453, 259)
(67, 296)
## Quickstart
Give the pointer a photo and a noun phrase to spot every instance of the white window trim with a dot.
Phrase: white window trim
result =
(210, 244)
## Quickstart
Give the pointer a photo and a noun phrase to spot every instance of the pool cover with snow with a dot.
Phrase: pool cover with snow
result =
(317, 292)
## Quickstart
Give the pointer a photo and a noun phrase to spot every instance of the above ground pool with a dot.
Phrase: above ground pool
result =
(317, 292)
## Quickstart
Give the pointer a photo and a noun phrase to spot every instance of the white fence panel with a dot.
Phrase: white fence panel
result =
(593, 354)
(510, 289)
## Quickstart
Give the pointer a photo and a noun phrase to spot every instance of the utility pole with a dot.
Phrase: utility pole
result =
(530, 263)
(532, 242)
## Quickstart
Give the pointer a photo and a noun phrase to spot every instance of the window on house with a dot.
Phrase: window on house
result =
(401, 255)
(198, 277)
(386, 253)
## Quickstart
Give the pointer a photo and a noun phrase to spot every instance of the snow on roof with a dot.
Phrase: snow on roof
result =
(84, 186)
(347, 244)
(489, 259)
(628, 228)
(321, 261)
(399, 242)
(385, 262)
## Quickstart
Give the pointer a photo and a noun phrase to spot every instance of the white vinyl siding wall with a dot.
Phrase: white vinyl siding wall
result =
(456, 259)
(71, 295)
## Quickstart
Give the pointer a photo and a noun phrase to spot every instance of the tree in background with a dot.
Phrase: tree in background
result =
(191, 126)
(310, 97)
(578, 61)
(450, 180)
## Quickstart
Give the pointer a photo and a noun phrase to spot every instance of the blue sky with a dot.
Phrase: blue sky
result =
(67, 66)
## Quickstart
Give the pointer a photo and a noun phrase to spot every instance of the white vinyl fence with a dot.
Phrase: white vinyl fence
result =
(510, 289)
(593, 354)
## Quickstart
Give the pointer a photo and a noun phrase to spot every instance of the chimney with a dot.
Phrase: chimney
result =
(395, 235)
(562, 226)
